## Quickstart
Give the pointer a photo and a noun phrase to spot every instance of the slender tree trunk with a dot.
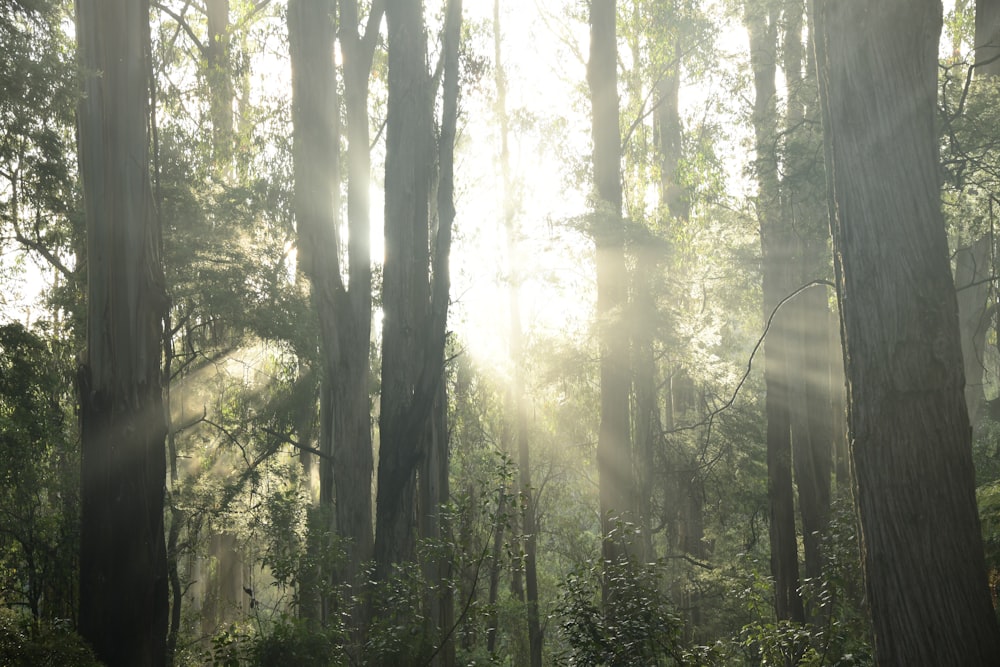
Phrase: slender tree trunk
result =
(987, 38)
(972, 281)
(614, 457)
(807, 228)
(496, 552)
(762, 25)
(973, 263)
(123, 569)
(405, 286)
(517, 407)
(923, 553)
(219, 77)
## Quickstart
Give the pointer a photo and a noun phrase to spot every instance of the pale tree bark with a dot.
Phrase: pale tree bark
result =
(219, 76)
(614, 456)
(516, 408)
(923, 553)
(987, 38)
(973, 268)
(344, 309)
(762, 23)
(123, 572)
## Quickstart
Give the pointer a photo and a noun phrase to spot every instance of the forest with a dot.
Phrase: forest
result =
(499, 332)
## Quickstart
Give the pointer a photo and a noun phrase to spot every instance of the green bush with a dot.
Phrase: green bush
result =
(639, 627)
(24, 643)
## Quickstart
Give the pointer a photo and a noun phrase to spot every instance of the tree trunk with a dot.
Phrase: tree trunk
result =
(219, 78)
(806, 226)
(973, 263)
(987, 38)
(123, 571)
(923, 553)
(972, 281)
(777, 257)
(517, 403)
(614, 458)
(344, 310)
(414, 290)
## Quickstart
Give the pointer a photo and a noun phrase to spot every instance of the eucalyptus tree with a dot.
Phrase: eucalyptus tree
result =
(614, 455)
(517, 407)
(805, 224)
(123, 577)
(973, 257)
(343, 307)
(922, 548)
(762, 25)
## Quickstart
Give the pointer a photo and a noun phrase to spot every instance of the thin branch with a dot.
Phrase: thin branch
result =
(760, 341)
(286, 439)
(182, 22)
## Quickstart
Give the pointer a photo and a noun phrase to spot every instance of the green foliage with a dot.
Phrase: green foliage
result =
(24, 643)
(636, 624)
(293, 642)
(988, 497)
(38, 479)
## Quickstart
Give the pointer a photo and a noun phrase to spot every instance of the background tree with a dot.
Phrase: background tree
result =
(614, 455)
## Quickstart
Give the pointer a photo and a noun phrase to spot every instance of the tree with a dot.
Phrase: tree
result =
(517, 408)
(614, 457)
(344, 310)
(123, 583)
(762, 25)
(405, 286)
(911, 450)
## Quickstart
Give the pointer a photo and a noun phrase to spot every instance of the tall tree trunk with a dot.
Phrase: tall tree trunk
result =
(434, 475)
(806, 225)
(416, 281)
(973, 263)
(517, 403)
(123, 571)
(344, 310)
(614, 456)
(405, 288)
(987, 38)
(219, 76)
(972, 281)
(762, 25)
(923, 553)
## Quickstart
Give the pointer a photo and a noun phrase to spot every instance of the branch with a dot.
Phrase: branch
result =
(38, 246)
(760, 341)
(182, 22)
(287, 440)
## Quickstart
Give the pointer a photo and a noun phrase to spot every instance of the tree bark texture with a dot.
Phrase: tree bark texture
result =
(415, 282)
(921, 542)
(344, 310)
(614, 459)
(433, 476)
(123, 571)
(777, 259)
